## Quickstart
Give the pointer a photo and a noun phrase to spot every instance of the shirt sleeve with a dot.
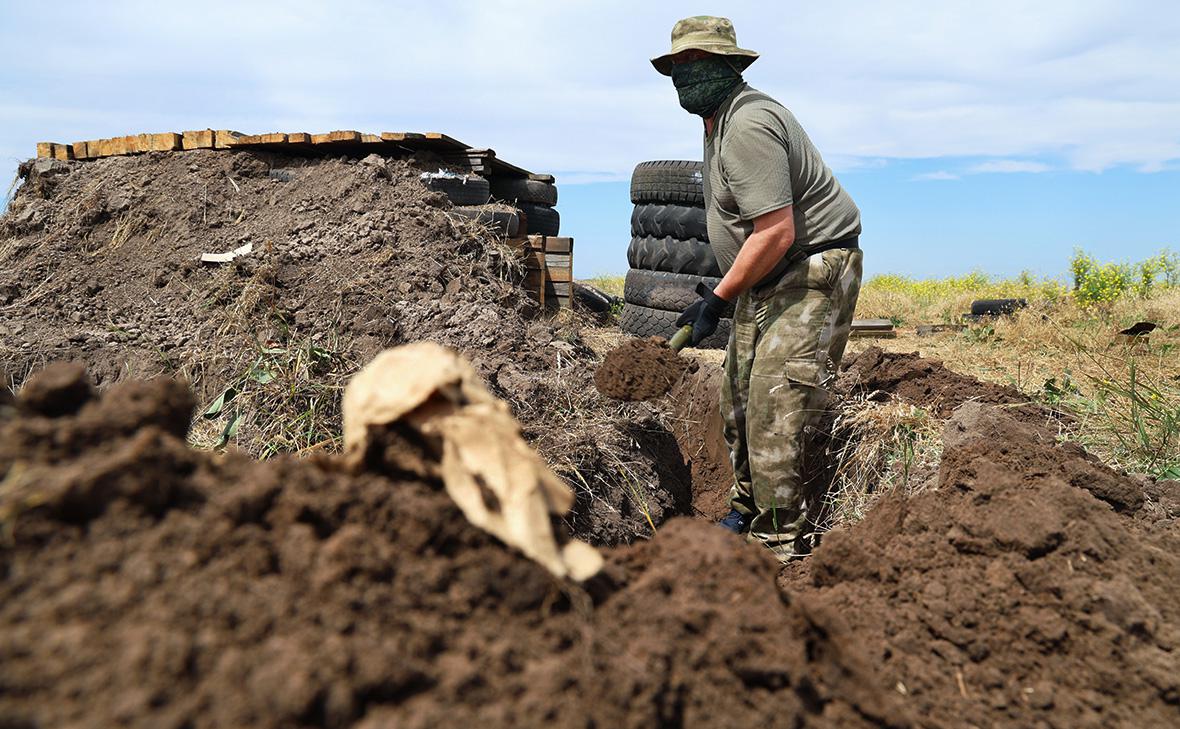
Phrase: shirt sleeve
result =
(754, 158)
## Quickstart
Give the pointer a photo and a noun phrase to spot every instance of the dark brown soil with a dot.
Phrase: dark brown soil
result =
(698, 428)
(640, 369)
(926, 382)
(99, 265)
(146, 584)
(1021, 592)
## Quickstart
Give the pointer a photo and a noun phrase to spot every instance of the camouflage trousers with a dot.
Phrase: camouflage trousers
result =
(784, 351)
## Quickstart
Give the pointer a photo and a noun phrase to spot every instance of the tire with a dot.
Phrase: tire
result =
(541, 219)
(997, 307)
(505, 223)
(517, 189)
(459, 189)
(678, 182)
(672, 255)
(594, 298)
(676, 221)
(641, 321)
(663, 290)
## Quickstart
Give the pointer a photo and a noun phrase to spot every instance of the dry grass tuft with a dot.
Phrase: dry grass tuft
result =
(879, 447)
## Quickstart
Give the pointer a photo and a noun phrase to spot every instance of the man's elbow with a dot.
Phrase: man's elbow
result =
(783, 240)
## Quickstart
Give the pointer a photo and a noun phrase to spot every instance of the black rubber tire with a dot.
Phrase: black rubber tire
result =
(672, 255)
(594, 298)
(676, 221)
(520, 189)
(676, 182)
(663, 290)
(540, 219)
(461, 190)
(503, 222)
(641, 321)
(997, 307)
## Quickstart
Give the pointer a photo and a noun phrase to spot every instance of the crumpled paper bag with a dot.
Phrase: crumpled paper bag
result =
(497, 480)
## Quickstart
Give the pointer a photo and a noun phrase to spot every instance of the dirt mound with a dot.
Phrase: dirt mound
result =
(143, 583)
(927, 383)
(99, 264)
(640, 369)
(1021, 592)
(699, 433)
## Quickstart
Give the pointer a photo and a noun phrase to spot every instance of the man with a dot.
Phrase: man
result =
(785, 234)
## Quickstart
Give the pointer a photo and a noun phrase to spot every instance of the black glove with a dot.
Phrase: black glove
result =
(704, 314)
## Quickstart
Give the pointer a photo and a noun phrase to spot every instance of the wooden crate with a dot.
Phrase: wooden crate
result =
(559, 268)
(549, 270)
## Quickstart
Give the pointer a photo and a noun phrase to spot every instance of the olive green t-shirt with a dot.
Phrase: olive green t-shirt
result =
(757, 160)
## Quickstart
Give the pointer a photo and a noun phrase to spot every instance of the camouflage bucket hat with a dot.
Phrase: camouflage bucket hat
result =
(704, 33)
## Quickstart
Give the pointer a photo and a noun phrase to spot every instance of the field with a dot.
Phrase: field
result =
(1064, 350)
(186, 540)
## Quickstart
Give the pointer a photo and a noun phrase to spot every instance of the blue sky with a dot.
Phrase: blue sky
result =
(994, 136)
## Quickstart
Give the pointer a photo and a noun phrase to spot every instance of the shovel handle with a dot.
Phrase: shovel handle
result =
(681, 338)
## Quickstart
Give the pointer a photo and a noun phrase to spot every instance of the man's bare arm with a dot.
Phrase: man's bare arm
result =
(773, 235)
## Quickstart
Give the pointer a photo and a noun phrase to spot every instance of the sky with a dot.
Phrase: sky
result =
(994, 136)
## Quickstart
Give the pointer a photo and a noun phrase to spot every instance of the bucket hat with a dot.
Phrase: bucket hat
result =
(704, 33)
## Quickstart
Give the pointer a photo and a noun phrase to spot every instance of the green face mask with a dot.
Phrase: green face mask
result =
(704, 83)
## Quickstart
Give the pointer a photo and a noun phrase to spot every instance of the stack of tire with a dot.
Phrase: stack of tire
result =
(470, 193)
(669, 252)
(533, 198)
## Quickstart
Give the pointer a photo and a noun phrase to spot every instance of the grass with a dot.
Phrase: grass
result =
(610, 284)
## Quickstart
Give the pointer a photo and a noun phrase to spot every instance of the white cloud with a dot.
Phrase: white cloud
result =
(939, 175)
(566, 86)
(1008, 166)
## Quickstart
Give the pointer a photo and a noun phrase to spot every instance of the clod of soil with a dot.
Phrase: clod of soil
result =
(640, 369)
(145, 584)
(1022, 592)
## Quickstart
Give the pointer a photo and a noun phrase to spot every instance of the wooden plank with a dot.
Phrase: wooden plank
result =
(271, 138)
(560, 274)
(63, 152)
(81, 150)
(535, 283)
(225, 138)
(558, 260)
(401, 136)
(197, 139)
(371, 139)
(113, 146)
(338, 136)
(299, 138)
(559, 244)
(44, 150)
(543, 178)
(164, 142)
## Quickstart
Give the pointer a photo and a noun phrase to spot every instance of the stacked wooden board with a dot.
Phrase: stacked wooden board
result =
(347, 141)
(548, 263)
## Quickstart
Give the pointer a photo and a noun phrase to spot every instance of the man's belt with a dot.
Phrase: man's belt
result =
(794, 255)
(849, 242)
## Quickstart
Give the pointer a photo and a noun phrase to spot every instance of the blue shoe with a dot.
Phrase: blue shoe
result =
(735, 521)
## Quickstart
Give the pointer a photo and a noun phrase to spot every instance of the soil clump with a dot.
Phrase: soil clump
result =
(99, 264)
(146, 584)
(1021, 592)
(641, 369)
(927, 383)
